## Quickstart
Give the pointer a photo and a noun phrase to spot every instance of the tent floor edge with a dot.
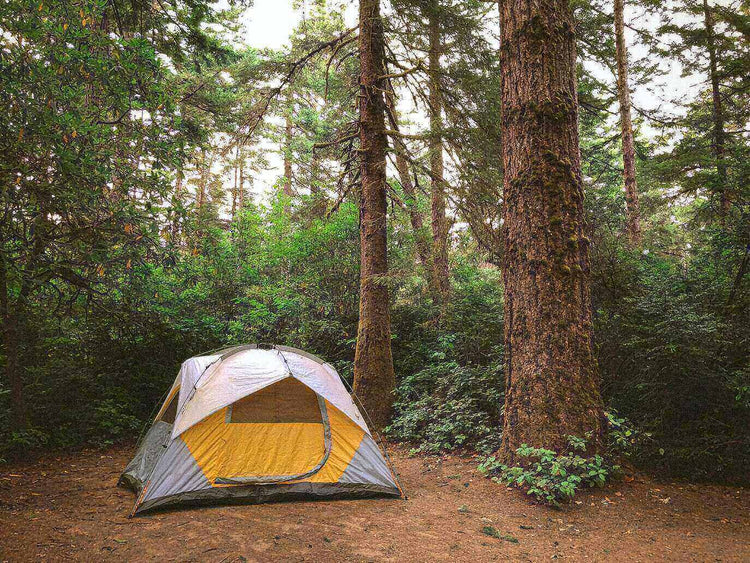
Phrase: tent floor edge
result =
(260, 494)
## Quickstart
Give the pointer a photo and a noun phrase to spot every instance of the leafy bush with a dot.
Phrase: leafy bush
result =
(624, 439)
(551, 477)
(448, 406)
(450, 392)
(113, 421)
(674, 361)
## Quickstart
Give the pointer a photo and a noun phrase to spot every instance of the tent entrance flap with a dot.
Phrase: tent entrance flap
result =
(281, 433)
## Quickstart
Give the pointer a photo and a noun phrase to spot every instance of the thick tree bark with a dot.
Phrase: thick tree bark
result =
(719, 135)
(374, 379)
(552, 380)
(18, 420)
(632, 207)
(440, 279)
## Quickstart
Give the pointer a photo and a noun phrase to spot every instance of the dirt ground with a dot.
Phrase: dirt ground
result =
(67, 507)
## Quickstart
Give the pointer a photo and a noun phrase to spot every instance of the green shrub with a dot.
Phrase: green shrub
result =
(551, 477)
(674, 361)
(113, 421)
(448, 406)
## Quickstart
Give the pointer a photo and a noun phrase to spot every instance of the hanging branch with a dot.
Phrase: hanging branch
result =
(295, 67)
(331, 59)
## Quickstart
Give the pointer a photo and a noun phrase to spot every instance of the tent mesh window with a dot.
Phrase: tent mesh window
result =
(171, 411)
(283, 402)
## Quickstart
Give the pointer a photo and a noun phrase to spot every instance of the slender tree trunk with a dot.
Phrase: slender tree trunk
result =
(317, 196)
(235, 189)
(288, 131)
(552, 380)
(633, 213)
(719, 134)
(201, 201)
(741, 271)
(440, 279)
(421, 238)
(241, 193)
(18, 420)
(374, 379)
(314, 173)
(175, 227)
(203, 182)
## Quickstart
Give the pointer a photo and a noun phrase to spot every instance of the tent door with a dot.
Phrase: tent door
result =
(287, 429)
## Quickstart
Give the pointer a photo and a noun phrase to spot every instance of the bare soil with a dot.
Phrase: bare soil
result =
(67, 507)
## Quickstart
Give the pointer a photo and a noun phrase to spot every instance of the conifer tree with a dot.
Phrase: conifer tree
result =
(632, 207)
(552, 381)
(374, 378)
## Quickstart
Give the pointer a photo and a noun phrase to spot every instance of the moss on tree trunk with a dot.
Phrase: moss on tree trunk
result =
(552, 381)
(374, 379)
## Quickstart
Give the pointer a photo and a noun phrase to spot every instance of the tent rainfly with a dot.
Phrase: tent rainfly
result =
(257, 424)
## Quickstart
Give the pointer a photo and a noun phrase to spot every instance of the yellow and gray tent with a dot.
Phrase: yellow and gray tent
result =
(257, 424)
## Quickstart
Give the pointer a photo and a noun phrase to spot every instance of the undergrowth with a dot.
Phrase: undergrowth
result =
(551, 477)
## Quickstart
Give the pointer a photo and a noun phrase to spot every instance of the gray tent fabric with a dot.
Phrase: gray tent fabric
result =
(151, 449)
(368, 466)
(176, 471)
(165, 472)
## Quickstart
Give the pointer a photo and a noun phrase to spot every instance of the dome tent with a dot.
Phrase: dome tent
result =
(257, 424)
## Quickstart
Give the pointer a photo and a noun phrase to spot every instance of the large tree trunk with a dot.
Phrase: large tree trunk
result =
(374, 379)
(552, 380)
(633, 213)
(18, 420)
(440, 280)
(717, 111)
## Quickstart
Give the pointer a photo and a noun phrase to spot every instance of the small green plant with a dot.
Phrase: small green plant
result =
(550, 477)
(624, 438)
(495, 533)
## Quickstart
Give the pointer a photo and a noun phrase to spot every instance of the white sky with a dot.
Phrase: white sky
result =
(269, 23)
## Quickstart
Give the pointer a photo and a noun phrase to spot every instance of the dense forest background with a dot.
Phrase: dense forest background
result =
(140, 227)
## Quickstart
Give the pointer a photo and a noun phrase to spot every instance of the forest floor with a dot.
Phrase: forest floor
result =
(67, 507)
